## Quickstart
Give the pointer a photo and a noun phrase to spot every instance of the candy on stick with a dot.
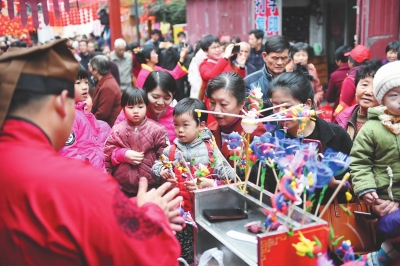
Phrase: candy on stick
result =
(184, 168)
(234, 144)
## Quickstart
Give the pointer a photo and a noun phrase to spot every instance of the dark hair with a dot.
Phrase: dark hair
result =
(131, 46)
(101, 63)
(339, 53)
(229, 81)
(354, 62)
(259, 34)
(394, 45)
(398, 54)
(300, 46)
(276, 43)
(26, 99)
(134, 96)
(161, 79)
(82, 73)
(144, 54)
(155, 32)
(181, 33)
(296, 83)
(95, 53)
(15, 44)
(368, 69)
(169, 39)
(235, 39)
(24, 44)
(188, 106)
(207, 41)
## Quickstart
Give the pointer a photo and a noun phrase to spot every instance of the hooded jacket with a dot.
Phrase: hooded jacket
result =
(149, 138)
(87, 138)
(375, 149)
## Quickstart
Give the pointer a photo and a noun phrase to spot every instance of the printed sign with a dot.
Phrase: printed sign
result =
(267, 16)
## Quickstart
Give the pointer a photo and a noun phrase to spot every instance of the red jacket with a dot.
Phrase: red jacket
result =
(149, 138)
(348, 91)
(216, 130)
(61, 211)
(107, 100)
(335, 84)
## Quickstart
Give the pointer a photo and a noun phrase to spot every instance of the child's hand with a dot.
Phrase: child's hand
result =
(369, 198)
(190, 185)
(168, 176)
(134, 157)
(206, 182)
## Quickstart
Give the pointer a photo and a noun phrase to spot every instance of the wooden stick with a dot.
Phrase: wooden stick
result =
(218, 113)
(276, 178)
(258, 173)
(345, 178)
(248, 168)
(189, 171)
(273, 107)
(290, 211)
(304, 207)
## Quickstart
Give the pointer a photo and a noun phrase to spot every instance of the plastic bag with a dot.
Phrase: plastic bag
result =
(209, 254)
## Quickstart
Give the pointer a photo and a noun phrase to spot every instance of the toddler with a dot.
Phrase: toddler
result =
(134, 144)
(195, 142)
(86, 141)
(375, 166)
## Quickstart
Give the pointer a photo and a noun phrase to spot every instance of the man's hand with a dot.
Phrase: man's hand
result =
(168, 203)
(382, 207)
(369, 198)
(134, 157)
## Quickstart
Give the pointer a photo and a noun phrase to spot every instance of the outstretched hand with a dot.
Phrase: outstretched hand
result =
(168, 202)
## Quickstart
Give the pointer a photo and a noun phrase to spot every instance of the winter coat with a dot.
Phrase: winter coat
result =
(149, 138)
(348, 91)
(374, 149)
(335, 84)
(318, 92)
(178, 72)
(107, 99)
(197, 152)
(166, 120)
(86, 141)
(348, 120)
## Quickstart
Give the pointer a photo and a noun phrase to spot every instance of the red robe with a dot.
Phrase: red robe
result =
(60, 211)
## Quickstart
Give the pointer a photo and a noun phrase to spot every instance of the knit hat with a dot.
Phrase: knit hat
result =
(386, 78)
(47, 69)
(360, 53)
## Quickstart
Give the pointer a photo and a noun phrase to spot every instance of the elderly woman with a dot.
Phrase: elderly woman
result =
(354, 117)
(227, 94)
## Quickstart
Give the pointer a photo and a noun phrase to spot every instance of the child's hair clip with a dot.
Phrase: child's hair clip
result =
(137, 50)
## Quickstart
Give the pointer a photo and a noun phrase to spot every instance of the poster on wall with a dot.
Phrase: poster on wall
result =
(267, 16)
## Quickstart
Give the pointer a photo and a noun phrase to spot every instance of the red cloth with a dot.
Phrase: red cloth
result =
(210, 69)
(149, 138)
(216, 130)
(348, 92)
(335, 84)
(60, 211)
(107, 99)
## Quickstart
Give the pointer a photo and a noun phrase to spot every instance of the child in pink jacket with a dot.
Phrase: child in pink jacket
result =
(86, 141)
(134, 144)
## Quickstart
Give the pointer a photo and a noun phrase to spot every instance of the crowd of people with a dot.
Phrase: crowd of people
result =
(91, 135)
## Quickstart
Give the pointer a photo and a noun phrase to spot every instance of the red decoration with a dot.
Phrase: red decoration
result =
(14, 26)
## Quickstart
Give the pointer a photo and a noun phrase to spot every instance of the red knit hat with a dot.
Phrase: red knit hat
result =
(360, 53)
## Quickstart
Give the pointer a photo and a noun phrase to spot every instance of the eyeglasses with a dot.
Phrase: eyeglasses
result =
(214, 47)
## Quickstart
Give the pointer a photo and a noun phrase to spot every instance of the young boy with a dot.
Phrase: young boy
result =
(375, 166)
(194, 142)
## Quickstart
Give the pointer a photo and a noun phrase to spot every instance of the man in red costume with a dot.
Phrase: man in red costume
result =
(59, 211)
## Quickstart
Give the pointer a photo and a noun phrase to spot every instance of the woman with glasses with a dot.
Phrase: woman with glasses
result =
(216, 63)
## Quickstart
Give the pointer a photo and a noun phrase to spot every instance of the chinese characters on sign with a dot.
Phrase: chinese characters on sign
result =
(267, 16)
